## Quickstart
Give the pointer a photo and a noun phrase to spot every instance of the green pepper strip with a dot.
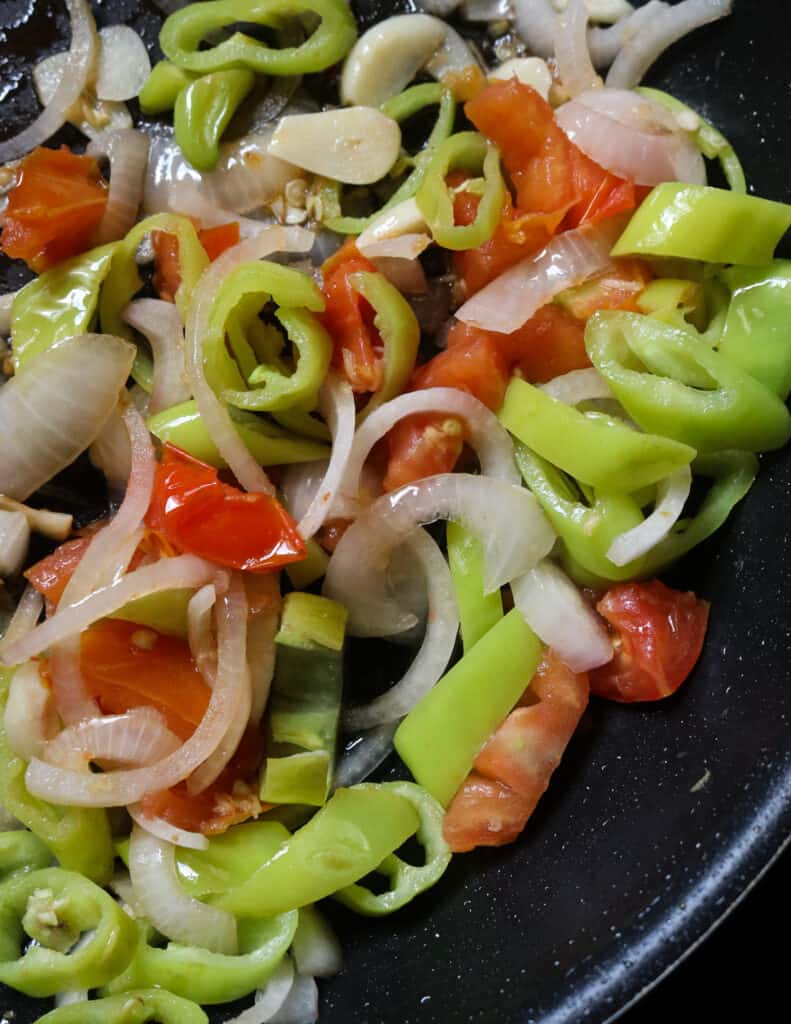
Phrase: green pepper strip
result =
(311, 568)
(471, 152)
(399, 330)
(406, 880)
(123, 281)
(670, 381)
(136, 1007)
(55, 907)
(22, 851)
(165, 612)
(696, 222)
(183, 32)
(709, 140)
(78, 836)
(203, 111)
(211, 978)
(478, 612)
(182, 426)
(162, 87)
(400, 108)
(596, 449)
(349, 837)
(756, 332)
(442, 735)
(586, 530)
(58, 304)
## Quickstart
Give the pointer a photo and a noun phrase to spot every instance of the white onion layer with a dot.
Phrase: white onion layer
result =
(577, 386)
(672, 494)
(14, 541)
(29, 715)
(556, 611)
(161, 325)
(23, 621)
(139, 737)
(364, 756)
(165, 831)
(316, 950)
(127, 153)
(123, 65)
(203, 647)
(301, 1005)
(271, 997)
(573, 58)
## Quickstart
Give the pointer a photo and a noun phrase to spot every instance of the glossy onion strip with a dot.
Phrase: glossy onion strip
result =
(364, 755)
(127, 153)
(29, 715)
(24, 619)
(152, 866)
(577, 386)
(489, 508)
(139, 737)
(269, 999)
(672, 494)
(165, 831)
(556, 611)
(262, 625)
(159, 322)
(572, 55)
(199, 632)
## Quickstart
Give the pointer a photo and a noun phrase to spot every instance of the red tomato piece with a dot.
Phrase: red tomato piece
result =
(483, 813)
(51, 575)
(659, 634)
(600, 194)
(218, 239)
(53, 209)
(198, 513)
(167, 275)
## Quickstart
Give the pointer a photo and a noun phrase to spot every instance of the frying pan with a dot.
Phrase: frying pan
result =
(660, 816)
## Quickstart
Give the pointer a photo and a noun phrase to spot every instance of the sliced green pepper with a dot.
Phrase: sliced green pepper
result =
(349, 837)
(203, 111)
(184, 31)
(311, 568)
(478, 611)
(165, 612)
(22, 851)
(55, 907)
(230, 859)
(670, 381)
(182, 426)
(58, 304)
(757, 331)
(471, 152)
(709, 140)
(696, 222)
(441, 736)
(162, 87)
(406, 880)
(137, 1007)
(596, 449)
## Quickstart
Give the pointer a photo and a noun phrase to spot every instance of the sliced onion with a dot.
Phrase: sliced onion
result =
(199, 632)
(111, 454)
(632, 136)
(152, 866)
(30, 717)
(24, 619)
(536, 22)
(488, 507)
(672, 494)
(90, 115)
(316, 950)
(139, 737)
(263, 596)
(168, 833)
(72, 699)
(187, 200)
(184, 571)
(14, 542)
(662, 30)
(123, 64)
(605, 43)
(231, 666)
(82, 54)
(51, 412)
(337, 407)
(54, 525)
(405, 274)
(404, 247)
(127, 153)
(301, 1005)
(573, 58)
(120, 788)
(435, 652)
(364, 755)
(556, 611)
(72, 997)
(121, 885)
(213, 412)
(577, 386)
(453, 56)
(515, 296)
(270, 998)
(486, 436)
(300, 484)
(159, 322)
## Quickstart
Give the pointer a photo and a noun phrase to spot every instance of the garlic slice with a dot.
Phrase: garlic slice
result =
(532, 71)
(356, 146)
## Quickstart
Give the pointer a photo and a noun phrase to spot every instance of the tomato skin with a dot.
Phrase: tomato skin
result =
(659, 634)
(484, 812)
(167, 273)
(348, 318)
(51, 575)
(600, 194)
(54, 208)
(218, 239)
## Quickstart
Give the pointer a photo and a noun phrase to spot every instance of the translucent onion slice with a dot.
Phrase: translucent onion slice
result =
(24, 619)
(213, 412)
(364, 754)
(556, 611)
(127, 153)
(270, 998)
(123, 64)
(577, 386)
(82, 54)
(489, 440)
(52, 412)
(111, 455)
(30, 718)
(301, 1005)
(14, 541)
(159, 322)
(164, 830)
(435, 652)
(152, 867)
(488, 507)
(605, 43)
(513, 297)
(316, 950)
(573, 58)
(263, 596)
(203, 647)
(139, 737)
(336, 402)
(672, 494)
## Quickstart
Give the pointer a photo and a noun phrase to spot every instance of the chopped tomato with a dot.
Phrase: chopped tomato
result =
(53, 209)
(231, 799)
(51, 575)
(126, 666)
(218, 239)
(514, 768)
(600, 194)
(349, 318)
(198, 513)
(167, 275)
(659, 634)
(552, 342)
(618, 288)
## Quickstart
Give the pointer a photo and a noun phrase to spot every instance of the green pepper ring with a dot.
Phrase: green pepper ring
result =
(136, 1007)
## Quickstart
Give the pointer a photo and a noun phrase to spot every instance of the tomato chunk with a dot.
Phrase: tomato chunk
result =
(219, 239)
(51, 575)
(659, 634)
(600, 194)
(198, 513)
(53, 209)
(167, 273)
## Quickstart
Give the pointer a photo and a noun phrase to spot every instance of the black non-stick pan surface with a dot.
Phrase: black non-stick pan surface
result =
(660, 816)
